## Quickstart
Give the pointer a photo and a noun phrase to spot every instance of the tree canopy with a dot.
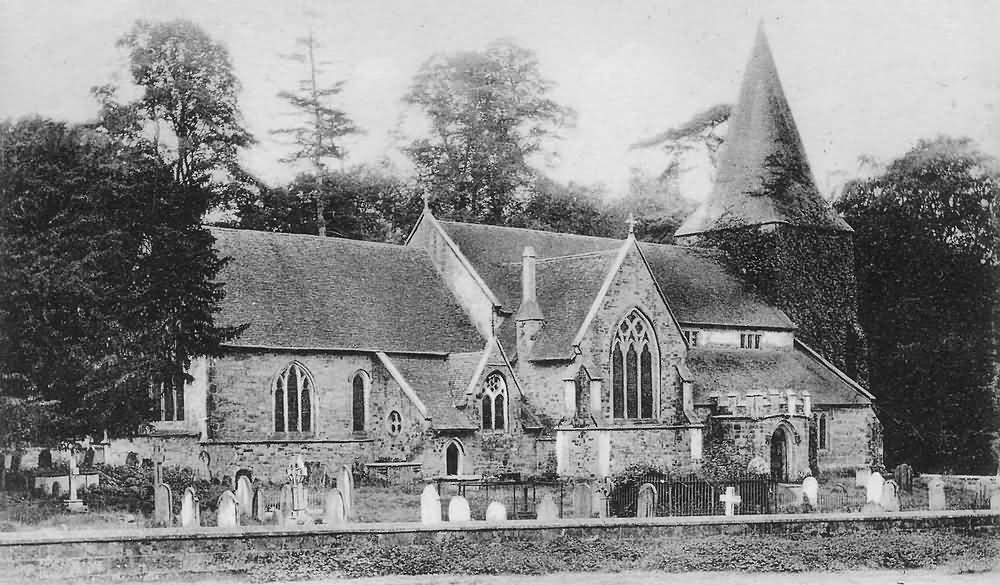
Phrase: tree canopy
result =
(107, 290)
(927, 241)
(489, 112)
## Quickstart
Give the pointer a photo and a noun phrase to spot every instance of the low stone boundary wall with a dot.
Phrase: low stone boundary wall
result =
(171, 553)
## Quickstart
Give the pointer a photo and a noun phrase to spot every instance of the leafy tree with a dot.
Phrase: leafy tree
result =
(571, 208)
(701, 131)
(489, 112)
(108, 279)
(927, 242)
(188, 86)
(316, 139)
(657, 205)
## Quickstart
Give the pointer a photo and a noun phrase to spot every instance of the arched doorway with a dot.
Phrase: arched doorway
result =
(779, 455)
(453, 458)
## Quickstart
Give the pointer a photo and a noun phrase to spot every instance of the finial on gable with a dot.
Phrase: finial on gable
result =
(631, 221)
(427, 200)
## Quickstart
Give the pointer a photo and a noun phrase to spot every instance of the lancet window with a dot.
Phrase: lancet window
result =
(635, 368)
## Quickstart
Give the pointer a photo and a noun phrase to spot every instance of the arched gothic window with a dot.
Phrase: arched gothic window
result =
(635, 368)
(359, 403)
(293, 400)
(494, 402)
(822, 431)
(453, 455)
(172, 400)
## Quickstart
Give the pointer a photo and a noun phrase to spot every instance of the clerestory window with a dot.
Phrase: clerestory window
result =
(635, 368)
(293, 400)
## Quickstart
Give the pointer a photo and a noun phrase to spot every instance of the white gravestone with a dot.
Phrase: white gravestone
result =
(583, 501)
(995, 499)
(333, 510)
(935, 494)
(190, 509)
(547, 510)
(244, 496)
(645, 505)
(731, 500)
(458, 510)
(430, 506)
(496, 512)
(873, 489)
(163, 502)
(810, 487)
(890, 496)
(345, 483)
(228, 511)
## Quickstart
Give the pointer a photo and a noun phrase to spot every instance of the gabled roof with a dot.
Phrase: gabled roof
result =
(763, 175)
(310, 292)
(431, 379)
(741, 371)
(695, 283)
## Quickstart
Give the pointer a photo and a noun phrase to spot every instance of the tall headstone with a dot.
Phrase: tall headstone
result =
(88, 458)
(984, 487)
(203, 470)
(583, 501)
(645, 506)
(284, 512)
(345, 483)
(297, 478)
(190, 509)
(810, 489)
(244, 496)
(496, 512)
(458, 509)
(903, 474)
(935, 494)
(890, 496)
(430, 506)
(873, 489)
(333, 509)
(73, 502)
(259, 507)
(163, 500)
(228, 511)
(547, 510)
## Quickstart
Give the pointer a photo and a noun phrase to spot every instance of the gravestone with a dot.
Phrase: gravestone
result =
(935, 494)
(333, 509)
(995, 499)
(458, 509)
(284, 511)
(430, 506)
(583, 501)
(810, 489)
(645, 505)
(190, 509)
(758, 466)
(244, 496)
(601, 501)
(730, 499)
(496, 512)
(259, 508)
(345, 483)
(984, 488)
(903, 474)
(228, 511)
(56, 489)
(547, 510)
(838, 498)
(132, 459)
(162, 500)
(861, 476)
(45, 459)
(202, 470)
(890, 496)
(297, 474)
(873, 489)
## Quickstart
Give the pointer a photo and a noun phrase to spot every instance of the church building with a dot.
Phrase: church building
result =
(477, 350)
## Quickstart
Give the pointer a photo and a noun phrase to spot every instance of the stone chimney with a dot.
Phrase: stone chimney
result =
(529, 318)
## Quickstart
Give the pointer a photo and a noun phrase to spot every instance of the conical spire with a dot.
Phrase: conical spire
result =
(763, 175)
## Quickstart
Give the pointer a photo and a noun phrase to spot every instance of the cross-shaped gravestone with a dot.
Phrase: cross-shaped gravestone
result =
(731, 500)
(296, 477)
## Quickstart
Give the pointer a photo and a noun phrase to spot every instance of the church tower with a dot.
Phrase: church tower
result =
(772, 226)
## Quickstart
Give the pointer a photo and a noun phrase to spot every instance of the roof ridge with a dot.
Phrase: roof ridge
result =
(525, 229)
(330, 239)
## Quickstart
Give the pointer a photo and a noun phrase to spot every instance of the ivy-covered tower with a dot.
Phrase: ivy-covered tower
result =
(772, 226)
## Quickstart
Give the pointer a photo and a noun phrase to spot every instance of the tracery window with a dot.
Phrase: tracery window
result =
(293, 400)
(635, 366)
(494, 402)
(394, 423)
(172, 400)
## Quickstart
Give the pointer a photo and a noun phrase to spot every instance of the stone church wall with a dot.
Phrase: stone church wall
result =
(850, 443)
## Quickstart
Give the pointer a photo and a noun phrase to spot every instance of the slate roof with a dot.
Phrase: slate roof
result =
(742, 371)
(763, 175)
(697, 286)
(310, 292)
(431, 378)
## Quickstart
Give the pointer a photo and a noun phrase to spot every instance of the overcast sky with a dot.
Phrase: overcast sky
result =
(862, 77)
